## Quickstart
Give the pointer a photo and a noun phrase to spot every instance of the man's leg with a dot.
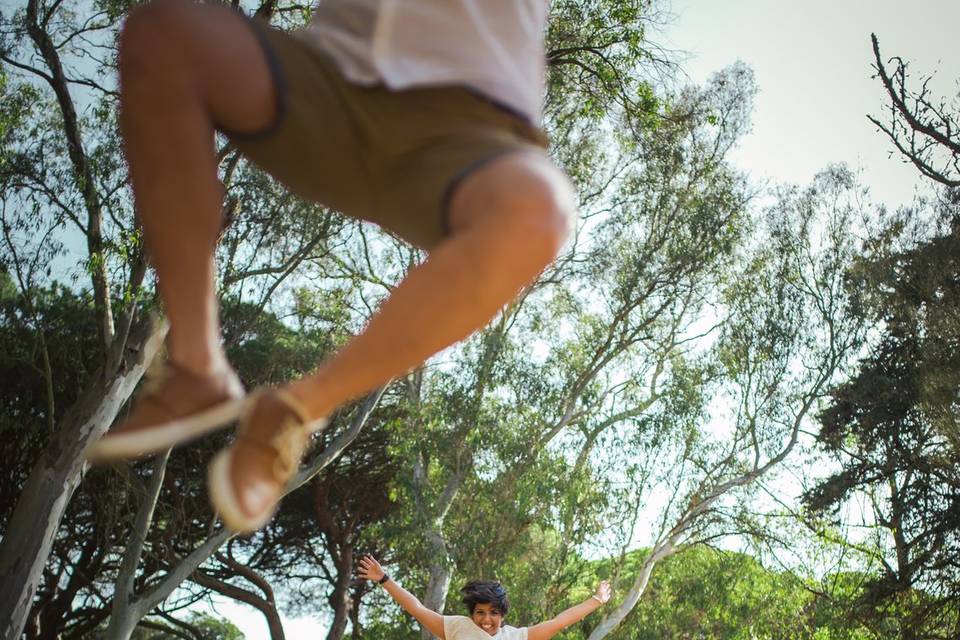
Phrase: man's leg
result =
(508, 220)
(183, 68)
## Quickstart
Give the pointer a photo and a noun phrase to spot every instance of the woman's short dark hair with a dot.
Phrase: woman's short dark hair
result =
(487, 592)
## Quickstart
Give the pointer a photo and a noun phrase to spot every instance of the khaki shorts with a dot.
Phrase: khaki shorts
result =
(390, 157)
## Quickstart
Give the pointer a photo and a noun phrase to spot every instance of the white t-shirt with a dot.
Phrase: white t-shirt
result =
(463, 628)
(493, 46)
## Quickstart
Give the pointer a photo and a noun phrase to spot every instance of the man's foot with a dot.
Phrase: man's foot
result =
(176, 406)
(247, 478)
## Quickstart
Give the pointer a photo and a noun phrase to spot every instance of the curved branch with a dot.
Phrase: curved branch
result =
(83, 173)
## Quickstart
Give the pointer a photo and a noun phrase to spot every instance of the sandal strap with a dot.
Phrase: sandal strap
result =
(288, 439)
(294, 405)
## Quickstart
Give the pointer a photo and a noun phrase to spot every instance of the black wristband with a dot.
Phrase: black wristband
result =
(383, 579)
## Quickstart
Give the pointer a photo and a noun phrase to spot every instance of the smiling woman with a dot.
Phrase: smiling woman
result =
(487, 603)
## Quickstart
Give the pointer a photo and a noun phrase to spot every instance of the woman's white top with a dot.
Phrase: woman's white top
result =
(463, 628)
(493, 46)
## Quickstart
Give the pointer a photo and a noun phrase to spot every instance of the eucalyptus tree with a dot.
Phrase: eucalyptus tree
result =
(508, 433)
(620, 367)
(787, 332)
(189, 546)
(133, 600)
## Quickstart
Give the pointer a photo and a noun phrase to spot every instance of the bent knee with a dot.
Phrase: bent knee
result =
(541, 198)
(525, 195)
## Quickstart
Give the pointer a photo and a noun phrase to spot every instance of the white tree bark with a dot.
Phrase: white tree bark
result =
(613, 620)
(441, 573)
(703, 501)
(123, 618)
(441, 570)
(132, 609)
(55, 477)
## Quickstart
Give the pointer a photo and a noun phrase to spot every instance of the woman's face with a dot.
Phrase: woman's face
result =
(487, 616)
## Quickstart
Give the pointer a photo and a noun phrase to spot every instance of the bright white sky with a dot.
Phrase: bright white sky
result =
(812, 63)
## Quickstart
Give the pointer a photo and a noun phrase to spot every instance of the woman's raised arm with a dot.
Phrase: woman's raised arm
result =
(370, 569)
(550, 628)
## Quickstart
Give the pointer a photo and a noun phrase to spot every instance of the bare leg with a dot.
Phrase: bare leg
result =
(508, 221)
(184, 67)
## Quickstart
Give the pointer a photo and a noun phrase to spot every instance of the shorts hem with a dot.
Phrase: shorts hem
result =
(457, 180)
(280, 88)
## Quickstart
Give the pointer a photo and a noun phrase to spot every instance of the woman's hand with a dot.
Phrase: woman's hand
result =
(432, 621)
(370, 569)
(603, 592)
(550, 628)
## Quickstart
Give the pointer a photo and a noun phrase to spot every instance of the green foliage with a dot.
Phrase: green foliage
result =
(97, 523)
(599, 65)
(267, 351)
(702, 592)
(202, 626)
(212, 628)
(46, 345)
(596, 51)
(16, 104)
(547, 431)
(892, 427)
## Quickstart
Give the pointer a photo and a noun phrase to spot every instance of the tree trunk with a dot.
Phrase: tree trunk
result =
(266, 604)
(56, 475)
(612, 621)
(124, 617)
(121, 627)
(340, 599)
(140, 605)
(440, 576)
(355, 630)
